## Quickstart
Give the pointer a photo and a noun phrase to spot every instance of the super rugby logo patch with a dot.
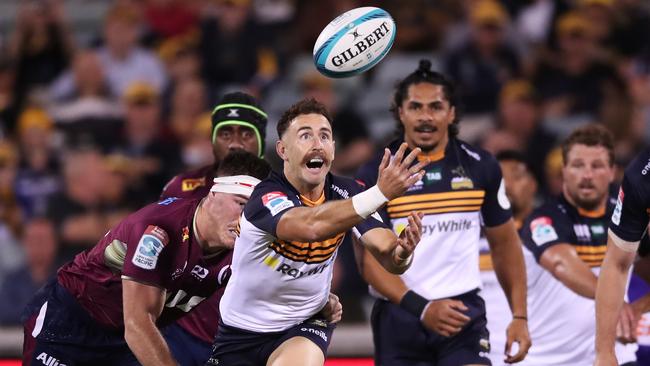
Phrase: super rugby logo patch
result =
(542, 230)
(149, 247)
(276, 202)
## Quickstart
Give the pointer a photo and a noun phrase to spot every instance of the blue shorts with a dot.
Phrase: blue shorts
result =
(59, 331)
(187, 349)
(238, 347)
(401, 339)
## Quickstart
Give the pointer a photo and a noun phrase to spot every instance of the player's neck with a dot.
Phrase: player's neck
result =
(198, 223)
(310, 191)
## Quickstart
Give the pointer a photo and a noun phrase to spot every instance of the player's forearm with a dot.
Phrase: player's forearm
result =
(578, 278)
(610, 291)
(147, 344)
(387, 284)
(318, 223)
(642, 304)
(510, 269)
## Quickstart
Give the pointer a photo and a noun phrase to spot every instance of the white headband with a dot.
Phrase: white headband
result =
(236, 184)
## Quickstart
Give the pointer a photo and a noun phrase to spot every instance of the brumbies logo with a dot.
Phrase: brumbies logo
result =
(460, 179)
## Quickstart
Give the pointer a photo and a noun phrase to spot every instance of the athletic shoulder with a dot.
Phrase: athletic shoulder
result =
(190, 184)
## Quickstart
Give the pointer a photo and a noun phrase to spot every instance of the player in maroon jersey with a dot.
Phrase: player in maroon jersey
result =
(106, 305)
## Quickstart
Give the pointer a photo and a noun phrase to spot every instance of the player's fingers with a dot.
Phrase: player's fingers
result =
(519, 356)
(625, 326)
(399, 155)
(457, 304)
(417, 167)
(385, 160)
(448, 330)
(410, 158)
(414, 178)
(458, 317)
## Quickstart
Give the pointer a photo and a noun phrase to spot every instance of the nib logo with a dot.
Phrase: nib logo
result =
(48, 360)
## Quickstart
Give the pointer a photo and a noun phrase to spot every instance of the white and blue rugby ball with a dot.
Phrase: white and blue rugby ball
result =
(354, 42)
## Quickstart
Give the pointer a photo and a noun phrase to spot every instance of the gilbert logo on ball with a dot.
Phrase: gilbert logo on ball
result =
(354, 42)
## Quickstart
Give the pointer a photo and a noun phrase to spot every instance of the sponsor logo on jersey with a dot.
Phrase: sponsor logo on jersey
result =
(276, 202)
(149, 247)
(178, 271)
(446, 226)
(168, 201)
(646, 168)
(191, 184)
(432, 175)
(582, 232)
(319, 333)
(542, 230)
(416, 187)
(49, 360)
(199, 272)
(286, 269)
(616, 216)
(461, 180)
(342, 192)
(597, 229)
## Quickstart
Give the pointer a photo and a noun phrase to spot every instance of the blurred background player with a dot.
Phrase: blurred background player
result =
(150, 269)
(521, 189)
(422, 317)
(565, 242)
(238, 122)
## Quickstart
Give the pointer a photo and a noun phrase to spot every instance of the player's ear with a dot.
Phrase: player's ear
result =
(452, 114)
(280, 149)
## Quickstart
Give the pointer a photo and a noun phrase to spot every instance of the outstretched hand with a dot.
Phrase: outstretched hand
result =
(396, 175)
(410, 236)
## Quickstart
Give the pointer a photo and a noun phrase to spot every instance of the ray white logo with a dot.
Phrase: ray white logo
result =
(296, 273)
(49, 360)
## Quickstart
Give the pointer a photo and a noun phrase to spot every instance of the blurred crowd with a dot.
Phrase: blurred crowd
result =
(92, 126)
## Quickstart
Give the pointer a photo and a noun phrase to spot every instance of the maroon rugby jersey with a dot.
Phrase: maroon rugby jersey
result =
(155, 245)
(192, 184)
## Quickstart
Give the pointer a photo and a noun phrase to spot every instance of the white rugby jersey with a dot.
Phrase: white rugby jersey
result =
(276, 284)
(462, 189)
(562, 324)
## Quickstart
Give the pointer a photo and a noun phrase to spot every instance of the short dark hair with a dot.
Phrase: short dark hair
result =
(241, 162)
(305, 106)
(513, 155)
(590, 135)
(424, 74)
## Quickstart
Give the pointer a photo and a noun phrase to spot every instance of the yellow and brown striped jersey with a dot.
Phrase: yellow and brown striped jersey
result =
(559, 222)
(277, 283)
(462, 189)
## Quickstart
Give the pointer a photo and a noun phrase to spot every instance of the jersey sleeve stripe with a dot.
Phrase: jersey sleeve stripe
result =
(587, 249)
(437, 210)
(438, 196)
(434, 204)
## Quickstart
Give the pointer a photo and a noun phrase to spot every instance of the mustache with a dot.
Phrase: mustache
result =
(315, 154)
(586, 185)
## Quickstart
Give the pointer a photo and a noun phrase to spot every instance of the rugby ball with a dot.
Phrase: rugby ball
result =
(354, 42)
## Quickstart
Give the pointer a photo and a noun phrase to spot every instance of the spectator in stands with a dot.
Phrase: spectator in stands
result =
(169, 18)
(38, 175)
(232, 49)
(7, 98)
(82, 104)
(485, 61)
(10, 213)
(40, 245)
(153, 155)
(519, 119)
(572, 78)
(124, 61)
(77, 211)
(197, 149)
(41, 45)
(188, 103)
(182, 62)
